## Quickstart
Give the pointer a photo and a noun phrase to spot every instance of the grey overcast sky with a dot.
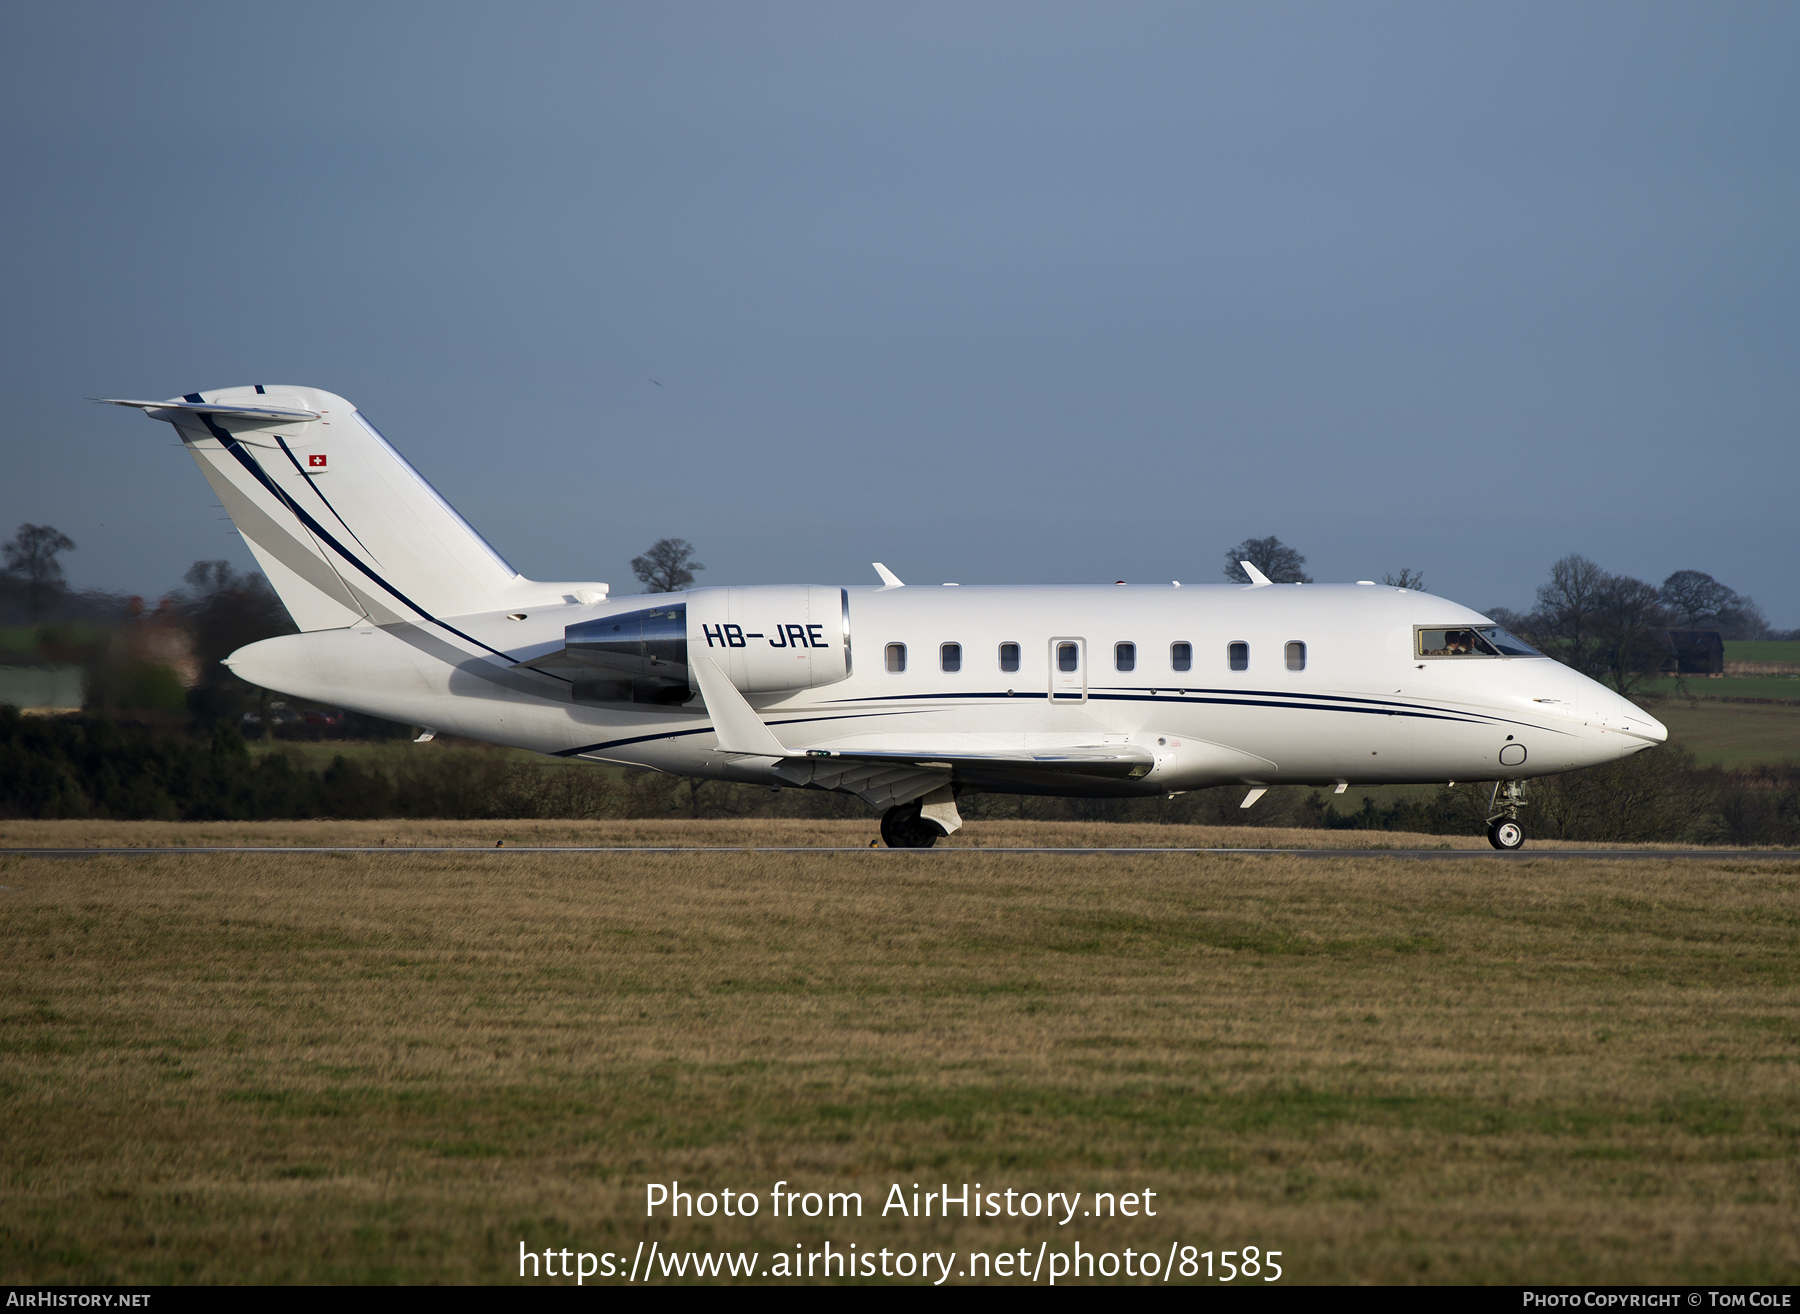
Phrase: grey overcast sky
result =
(994, 293)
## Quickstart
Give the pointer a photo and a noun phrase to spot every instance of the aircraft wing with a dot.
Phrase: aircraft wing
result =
(884, 777)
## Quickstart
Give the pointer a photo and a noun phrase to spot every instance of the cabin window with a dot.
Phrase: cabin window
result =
(1009, 656)
(896, 657)
(950, 656)
(1296, 655)
(1474, 641)
(1125, 656)
(1239, 656)
(1181, 656)
(1068, 657)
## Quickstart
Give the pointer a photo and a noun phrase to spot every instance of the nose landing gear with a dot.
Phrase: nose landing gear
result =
(903, 828)
(1506, 834)
(1504, 830)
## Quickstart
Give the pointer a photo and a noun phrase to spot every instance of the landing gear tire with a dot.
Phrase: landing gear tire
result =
(1506, 834)
(1503, 829)
(903, 828)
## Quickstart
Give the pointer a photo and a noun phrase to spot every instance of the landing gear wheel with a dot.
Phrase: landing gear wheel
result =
(1506, 834)
(903, 828)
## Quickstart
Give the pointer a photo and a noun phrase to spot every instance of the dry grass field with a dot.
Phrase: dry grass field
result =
(753, 833)
(393, 1067)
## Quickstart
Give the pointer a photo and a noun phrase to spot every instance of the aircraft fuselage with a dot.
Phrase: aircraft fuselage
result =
(1359, 703)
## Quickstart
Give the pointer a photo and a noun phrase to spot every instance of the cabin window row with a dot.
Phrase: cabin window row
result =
(1068, 656)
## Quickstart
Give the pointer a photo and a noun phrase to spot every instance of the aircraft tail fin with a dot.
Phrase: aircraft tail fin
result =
(344, 527)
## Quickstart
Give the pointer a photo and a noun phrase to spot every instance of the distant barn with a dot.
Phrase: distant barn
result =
(1694, 652)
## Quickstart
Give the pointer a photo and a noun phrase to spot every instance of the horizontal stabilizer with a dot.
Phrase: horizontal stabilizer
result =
(247, 412)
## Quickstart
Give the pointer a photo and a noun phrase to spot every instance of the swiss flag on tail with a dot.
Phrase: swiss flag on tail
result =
(316, 462)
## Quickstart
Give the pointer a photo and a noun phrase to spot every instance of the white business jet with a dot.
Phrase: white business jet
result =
(901, 695)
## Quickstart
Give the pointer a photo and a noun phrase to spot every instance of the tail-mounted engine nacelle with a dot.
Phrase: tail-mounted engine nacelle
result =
(770, 639)
(765, 640)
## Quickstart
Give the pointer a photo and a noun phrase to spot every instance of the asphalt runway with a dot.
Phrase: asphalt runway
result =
(1428, 855)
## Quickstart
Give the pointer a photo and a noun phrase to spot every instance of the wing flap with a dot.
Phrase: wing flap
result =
(1114, 761)
(879, 784)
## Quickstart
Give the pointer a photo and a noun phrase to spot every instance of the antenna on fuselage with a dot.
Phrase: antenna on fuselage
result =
(888, 578)
(1257, 578)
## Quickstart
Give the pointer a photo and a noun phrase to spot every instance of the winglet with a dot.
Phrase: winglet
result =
(739, 728)
(1257, 578)
(888, 578)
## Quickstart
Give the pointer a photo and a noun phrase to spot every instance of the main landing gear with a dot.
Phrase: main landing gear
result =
(1504, 830)
(903, 828)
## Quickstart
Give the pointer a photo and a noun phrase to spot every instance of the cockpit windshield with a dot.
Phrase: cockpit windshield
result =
(1473, 641)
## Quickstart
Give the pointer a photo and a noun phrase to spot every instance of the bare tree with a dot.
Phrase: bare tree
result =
(1696, 596)
(667, 567)
(1631, 633)
(1611, 628)
(1508, 619)
(1742, 619)
(1271, 556)
(1700, 602)
(1408, 578)
(1566, 622)
(31, 559)
(224, 611)
(209, 576)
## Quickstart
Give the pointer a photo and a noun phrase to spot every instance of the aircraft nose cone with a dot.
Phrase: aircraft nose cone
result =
(1635, 721)
(1608, 713)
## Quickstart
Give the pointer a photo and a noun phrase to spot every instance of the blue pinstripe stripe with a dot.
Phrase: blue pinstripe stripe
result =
(1257, 698)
